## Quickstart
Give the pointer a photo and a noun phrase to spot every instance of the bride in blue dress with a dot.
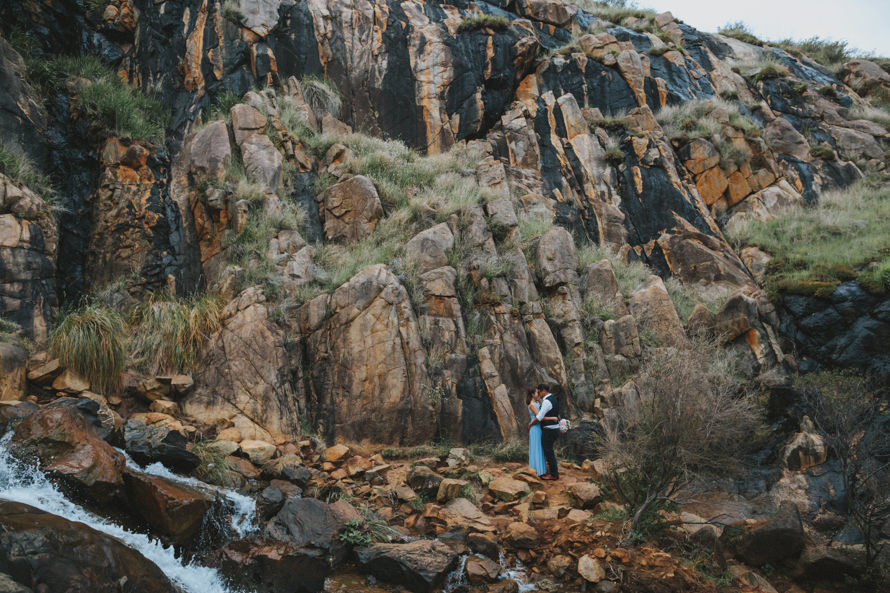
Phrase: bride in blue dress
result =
(535, 449)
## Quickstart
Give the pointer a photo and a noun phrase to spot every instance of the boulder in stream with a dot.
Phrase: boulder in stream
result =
(421, 566)
(46, 552)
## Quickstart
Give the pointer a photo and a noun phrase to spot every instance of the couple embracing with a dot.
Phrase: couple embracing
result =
(543, 429)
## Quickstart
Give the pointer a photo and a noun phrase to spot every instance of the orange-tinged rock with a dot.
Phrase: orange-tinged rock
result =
(711, 184)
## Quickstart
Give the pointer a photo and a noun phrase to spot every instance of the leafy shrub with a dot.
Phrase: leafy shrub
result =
(16, 164)
(739, 30)
(483, 21)
(355, 534)
(169, 332)
(90, 341)
(690, 419)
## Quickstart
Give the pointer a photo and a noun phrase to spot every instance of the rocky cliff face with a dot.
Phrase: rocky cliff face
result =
(419, 292)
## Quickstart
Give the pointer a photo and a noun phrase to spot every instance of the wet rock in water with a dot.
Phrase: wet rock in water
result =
(780, 538)
(312, 524)
(61, 555)
(148, 443)
(482, 570)
(172, 510)
(421, 566)
(269, 502)
(274, 567)
(485, 544)
(10, 415)
(65, 444)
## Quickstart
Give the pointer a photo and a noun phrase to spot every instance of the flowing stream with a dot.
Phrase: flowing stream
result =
(29, 486)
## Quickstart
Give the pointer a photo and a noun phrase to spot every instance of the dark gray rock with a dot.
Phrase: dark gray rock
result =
(61, 555)
(421, 566)
(150, 443)
(781, 537)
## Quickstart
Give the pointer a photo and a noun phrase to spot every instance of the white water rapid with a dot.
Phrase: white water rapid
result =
(29, 486)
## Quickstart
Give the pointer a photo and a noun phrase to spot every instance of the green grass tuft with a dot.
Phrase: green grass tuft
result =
(483, 21)
(99, 93)
(815, 247)
(823, 151)
(321, 94)
(740, 31)
(168, 332)
(91, 342)
(16, 164)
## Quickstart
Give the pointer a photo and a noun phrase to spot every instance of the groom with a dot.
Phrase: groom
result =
(548, 418)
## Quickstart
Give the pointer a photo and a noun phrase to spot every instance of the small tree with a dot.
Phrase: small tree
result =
(853, 419)
(690, 417)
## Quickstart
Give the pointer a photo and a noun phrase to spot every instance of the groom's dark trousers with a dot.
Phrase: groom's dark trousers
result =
(548, 438)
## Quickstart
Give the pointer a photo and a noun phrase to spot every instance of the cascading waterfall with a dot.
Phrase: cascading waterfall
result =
(28, 485)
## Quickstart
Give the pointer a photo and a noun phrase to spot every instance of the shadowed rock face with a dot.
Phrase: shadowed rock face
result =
(38, 548)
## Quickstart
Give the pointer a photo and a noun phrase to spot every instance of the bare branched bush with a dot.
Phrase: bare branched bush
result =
(690, 418)
(852, 417)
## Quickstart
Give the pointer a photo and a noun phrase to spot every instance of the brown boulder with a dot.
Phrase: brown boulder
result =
(585, 495)
(423, 479)
(262, 161)
(556, 261)
(210, 153)
(173, 510)
(350, 210)
(599, 282)
(13, 366)
(784, 139)
(482, 570)
(244, 374)
(429, 249)
(247, 121)
(521, 535)
(508, 489)
(368, 363)
(64, 444)
(651, 305)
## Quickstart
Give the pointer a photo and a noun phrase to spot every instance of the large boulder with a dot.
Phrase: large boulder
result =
(308, 523)
(64, 444)
(244, 374)
(429, 249)
(508, 489)
(172, 509)
(555, 259)
(210, 153)
(423, 479)
(350, 209)
(651, 306)
(262, 161)
(148, 443)
(49, 553)
(420, 566)
(273, 567)
(368, 365)
(779, 538)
